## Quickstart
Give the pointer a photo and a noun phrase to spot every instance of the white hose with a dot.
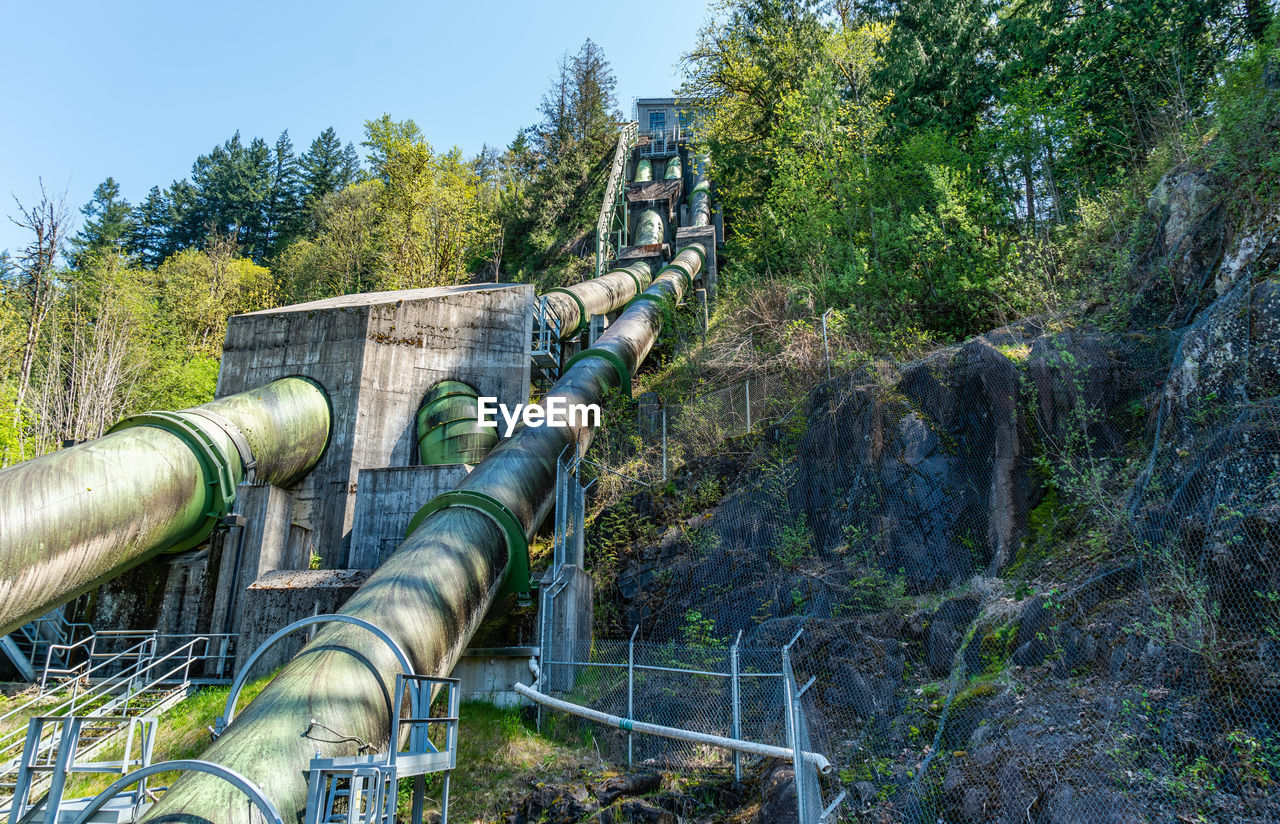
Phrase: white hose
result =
(768, 751)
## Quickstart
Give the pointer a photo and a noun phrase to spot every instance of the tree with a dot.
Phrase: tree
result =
(36, 276)
(147, 227)
(284, 203)
(198, 289)
(108, 225)
(327, 167)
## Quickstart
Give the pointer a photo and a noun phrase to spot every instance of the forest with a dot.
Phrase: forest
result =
(927, 170)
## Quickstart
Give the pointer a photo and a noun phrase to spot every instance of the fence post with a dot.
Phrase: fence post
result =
(747, 386)
(664, 442)
(631, 682)
(825, 348)
(735, 697)
(793, 735)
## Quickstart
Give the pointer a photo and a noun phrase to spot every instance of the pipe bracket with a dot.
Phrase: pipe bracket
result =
(220, 485)
(624, 374)
(584, 320)
(517, 577)
(247, 461)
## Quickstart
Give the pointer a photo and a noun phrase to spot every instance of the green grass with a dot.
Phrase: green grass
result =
(501, 758)
(183, 732)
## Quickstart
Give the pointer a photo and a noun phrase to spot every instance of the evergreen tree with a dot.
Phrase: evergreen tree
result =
(108, 224)
(148, 225)
(327, 167)
(284, 205)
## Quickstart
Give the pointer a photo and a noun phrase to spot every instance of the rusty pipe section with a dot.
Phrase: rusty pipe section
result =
(158, 482)
(573, 306)
(429, 596)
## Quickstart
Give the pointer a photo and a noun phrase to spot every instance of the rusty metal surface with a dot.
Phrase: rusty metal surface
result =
(78, 517)
(429, 596)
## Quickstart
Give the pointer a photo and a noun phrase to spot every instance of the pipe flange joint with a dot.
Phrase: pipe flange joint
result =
(624, 375)
(584, 320)
(660, 301)
(220, 486)
(696, 247)
(517, 577)
(634, 278)
(247, 461)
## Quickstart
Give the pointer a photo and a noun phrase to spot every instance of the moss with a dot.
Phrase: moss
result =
(980, 690)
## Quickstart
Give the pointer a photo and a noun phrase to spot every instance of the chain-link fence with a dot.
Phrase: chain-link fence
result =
(1038, 572)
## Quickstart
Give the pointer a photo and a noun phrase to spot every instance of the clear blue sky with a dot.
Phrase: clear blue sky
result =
(136, 90)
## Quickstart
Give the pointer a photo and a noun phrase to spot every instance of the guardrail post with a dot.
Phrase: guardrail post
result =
(631, 682)
(735, 698)
(664, 442)
(825, 348)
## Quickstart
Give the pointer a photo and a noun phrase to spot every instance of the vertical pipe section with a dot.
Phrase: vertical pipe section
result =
(430, 596)
(76, 518)
(644, 170)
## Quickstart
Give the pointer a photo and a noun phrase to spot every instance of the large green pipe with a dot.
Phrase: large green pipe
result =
(429, 596)
(574, 305)
(648, 228)
(159, 482)
(673, 170)
(700, 195)
(644, 170)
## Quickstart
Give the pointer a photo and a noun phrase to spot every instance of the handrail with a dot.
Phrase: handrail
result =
(609, 206)
(229, 711)
(232, 777)
(138, 676)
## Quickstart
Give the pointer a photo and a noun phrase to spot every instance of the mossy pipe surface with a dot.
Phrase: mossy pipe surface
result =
(78, 517)
(700, 195)
(648, 228)
(644, 170)
(574, 305)
(430, 596)
(673, 170)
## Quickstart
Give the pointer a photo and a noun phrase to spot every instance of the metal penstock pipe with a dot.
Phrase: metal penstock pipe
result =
(429, 596)
(574, 305)
(158, 482)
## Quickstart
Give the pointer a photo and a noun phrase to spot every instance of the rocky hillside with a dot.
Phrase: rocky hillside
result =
(1038, 572)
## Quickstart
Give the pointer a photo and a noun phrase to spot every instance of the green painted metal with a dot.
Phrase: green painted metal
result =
(449, 430)
(649, 230)
(76, 518)
(700, 195)
(215, 469)
(570, 328)
(644, 170)
(624, 376)
(674, 171)
(574, 305)
(430, 596)
(517, 579)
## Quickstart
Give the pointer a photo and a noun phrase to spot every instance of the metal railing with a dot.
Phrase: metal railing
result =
(143, 676)
(662, 142)
(611, 228)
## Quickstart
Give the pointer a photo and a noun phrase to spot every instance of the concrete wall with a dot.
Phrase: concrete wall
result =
(387, 501)
(282, 597)
(487, 674)
(376, 355)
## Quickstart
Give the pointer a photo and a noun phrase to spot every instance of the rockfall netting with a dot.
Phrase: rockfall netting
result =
(1037, 573)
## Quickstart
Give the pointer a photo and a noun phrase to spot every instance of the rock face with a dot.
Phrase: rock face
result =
(1136, 680)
